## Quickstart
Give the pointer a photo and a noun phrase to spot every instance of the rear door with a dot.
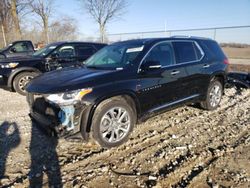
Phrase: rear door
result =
(161, 87)
(189, 55)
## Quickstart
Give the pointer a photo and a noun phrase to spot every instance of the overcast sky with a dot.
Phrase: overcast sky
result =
(148, 15)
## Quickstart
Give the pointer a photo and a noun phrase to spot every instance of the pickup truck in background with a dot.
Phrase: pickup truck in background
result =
(17, 49)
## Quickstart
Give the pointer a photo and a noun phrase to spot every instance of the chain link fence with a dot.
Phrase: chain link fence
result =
(232, 34)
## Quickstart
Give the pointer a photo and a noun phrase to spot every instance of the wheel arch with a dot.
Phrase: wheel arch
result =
(221, 76)
(128, 96)
(19, 71)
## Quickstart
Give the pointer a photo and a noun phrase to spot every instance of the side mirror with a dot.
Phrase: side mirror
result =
(151, 65)
(13, 50)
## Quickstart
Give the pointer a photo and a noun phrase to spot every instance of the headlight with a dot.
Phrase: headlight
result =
(68, 98)
(9, 65)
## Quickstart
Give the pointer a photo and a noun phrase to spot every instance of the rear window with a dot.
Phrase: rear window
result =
(186, 52)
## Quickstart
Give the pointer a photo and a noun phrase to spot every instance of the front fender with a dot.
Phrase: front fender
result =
(86, 126)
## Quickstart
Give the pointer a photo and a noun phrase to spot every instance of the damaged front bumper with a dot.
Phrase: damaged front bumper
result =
(238, 80)
(68, 121)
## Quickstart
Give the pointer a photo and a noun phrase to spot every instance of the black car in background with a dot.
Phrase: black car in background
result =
(17, 49)
(17, 72)
(127, 82)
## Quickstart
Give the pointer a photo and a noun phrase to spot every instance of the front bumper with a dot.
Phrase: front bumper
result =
(4, 75)
(46, 116)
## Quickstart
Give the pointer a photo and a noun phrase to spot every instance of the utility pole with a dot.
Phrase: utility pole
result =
(4, 37)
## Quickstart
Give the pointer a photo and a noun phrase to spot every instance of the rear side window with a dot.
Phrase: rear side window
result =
(186, 52)
(83, 50)
(214, 49)
(162, 53)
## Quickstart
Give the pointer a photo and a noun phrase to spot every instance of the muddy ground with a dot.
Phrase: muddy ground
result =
(185, 147)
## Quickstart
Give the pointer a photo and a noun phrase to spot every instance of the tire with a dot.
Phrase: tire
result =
(21, 80)
(214, 95)
(104, 126)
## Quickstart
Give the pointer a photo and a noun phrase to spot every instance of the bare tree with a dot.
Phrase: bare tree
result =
(104, 11)
(63, 29)
(43, 8)
(14, 14)
(4, 19)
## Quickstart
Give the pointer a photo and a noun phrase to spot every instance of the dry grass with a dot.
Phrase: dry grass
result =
(241, 53)
(238, 67)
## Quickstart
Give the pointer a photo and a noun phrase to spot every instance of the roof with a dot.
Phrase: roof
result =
(152, 40)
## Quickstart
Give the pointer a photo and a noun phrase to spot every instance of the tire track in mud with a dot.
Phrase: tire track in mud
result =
(220, 121)
(159, 135)
(135, 143)
(153, 145)
(186, 180)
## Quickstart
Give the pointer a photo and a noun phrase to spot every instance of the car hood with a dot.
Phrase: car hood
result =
(67, 79)
(20, 59)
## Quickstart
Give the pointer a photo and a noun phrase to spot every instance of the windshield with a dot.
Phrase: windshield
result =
(45, 51)
(114, 56)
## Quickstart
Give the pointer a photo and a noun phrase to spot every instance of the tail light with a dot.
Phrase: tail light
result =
(226, 61)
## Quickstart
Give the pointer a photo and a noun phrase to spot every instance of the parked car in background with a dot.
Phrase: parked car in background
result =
(17, 49)
(17, 72)
(127, 82)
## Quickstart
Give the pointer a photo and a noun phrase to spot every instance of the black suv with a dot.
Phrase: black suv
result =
(16, 72)
(126, 82)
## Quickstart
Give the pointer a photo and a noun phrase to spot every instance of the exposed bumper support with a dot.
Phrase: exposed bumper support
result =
(238, 80)
(54, 120)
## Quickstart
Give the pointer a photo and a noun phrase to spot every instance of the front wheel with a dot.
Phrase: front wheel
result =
(112, 123)
(21, 81)
(214, 95)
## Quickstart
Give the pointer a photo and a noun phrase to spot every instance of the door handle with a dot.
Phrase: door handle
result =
(175, 72)
(206, 66)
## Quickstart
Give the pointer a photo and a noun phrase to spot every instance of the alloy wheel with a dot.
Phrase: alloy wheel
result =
(115, 124)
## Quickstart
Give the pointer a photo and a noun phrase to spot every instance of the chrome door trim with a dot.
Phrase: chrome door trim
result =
(170, 41)
(173, 103)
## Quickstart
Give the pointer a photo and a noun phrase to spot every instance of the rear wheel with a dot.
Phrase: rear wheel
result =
(112, 123)
(214, 95)
(21, 81)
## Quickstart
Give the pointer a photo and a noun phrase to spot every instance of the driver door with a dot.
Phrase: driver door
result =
(64, 56)
(160, 87)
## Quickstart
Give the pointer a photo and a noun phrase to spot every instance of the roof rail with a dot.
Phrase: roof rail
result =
(180, 36)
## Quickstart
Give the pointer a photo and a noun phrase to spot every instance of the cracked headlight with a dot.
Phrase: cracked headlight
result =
(9, 65)
(68, 98)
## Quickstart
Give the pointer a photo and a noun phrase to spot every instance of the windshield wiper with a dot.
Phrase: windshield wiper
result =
(91, 67)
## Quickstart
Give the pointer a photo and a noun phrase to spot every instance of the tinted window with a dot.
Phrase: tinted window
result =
(162, 53)
(20, 47)
(214, 49)
(30, 47)
(85, 50)
(185, 52)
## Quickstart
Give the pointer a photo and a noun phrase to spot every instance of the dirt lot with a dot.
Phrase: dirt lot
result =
(238, 53)
(184, 147)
